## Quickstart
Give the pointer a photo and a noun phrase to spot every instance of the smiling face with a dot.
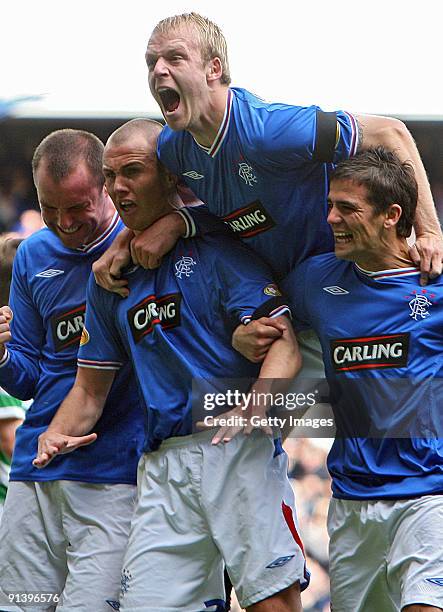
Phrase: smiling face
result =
(75, 208)
(178, 76)
(134, 181)
(360, 233)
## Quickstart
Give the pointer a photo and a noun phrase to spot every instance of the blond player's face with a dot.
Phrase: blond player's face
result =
(178, 77)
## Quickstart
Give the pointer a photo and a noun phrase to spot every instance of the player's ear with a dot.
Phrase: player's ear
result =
(392, 215)
(169, 180)
(214, 70)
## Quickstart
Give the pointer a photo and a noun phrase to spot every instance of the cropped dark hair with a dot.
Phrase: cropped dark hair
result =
(387, 180)
(63, 150)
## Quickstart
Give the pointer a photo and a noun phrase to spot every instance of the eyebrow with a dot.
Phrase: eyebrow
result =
(123, 167)
(179, 47)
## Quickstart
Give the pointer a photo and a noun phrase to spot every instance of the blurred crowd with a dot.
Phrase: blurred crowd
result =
(19, 210)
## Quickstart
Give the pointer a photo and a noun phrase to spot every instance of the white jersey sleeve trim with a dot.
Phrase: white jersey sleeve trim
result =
(99, 365)
(4, 360)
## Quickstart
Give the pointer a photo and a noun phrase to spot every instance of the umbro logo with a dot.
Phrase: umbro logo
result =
(193, 175)
(280, 562)
(335, 290)
(50, 273)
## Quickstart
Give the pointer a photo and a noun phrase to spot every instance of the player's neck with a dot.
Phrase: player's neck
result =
(172, 203)
(108, 214)
(206, 129)
(386, 257)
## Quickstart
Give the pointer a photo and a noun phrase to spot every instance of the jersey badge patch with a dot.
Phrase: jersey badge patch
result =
(84, 338)
(193, 174)
(335, 290)
(272, 290)
(246, 173)
(419, 303)
(67, 328)
(49, 273)
(183, 267)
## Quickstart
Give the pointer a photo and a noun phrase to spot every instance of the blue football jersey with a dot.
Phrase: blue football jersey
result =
(176, 326)
(382, 340)
(264, 174)
(48, 297)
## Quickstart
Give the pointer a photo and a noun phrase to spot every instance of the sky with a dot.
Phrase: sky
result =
(86, 58)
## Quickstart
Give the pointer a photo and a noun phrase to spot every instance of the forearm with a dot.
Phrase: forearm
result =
(283, 360)
(78, 413)
(282, 363)
(393, 134)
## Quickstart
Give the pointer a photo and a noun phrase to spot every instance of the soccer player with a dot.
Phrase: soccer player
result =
(199, 503)
(263, 168)
(64, 530)
(382, 338)
(12, 410)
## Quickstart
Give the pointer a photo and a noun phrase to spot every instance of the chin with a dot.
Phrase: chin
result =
(342, 254)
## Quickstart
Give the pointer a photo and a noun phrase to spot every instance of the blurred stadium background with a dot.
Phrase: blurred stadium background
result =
(93, 78)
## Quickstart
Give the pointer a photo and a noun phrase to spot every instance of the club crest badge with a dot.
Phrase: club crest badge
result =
(183, 267)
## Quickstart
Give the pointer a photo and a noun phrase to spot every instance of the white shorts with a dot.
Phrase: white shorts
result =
(201, 506)
(387, 554)
(310, 347)
(66, 538)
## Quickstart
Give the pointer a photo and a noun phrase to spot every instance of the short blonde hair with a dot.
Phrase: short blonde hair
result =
(212, 41)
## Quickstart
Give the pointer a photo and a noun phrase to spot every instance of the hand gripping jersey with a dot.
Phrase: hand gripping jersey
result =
(266, 173)
(176, 326)
(382, 340)
(48, 296)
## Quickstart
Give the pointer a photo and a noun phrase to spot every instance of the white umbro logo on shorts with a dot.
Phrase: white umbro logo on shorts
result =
(335, 290)
(50, 273)
(193, 175)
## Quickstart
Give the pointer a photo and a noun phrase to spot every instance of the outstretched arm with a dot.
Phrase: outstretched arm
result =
(76, 416)
(393, 134)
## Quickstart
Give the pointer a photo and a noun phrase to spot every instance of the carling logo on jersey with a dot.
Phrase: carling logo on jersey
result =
(67, 328)
(390, 351)
(250, 220)
(154, 311)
